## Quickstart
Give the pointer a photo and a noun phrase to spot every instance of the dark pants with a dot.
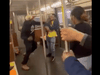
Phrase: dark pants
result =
(41, 42)
(30, 47)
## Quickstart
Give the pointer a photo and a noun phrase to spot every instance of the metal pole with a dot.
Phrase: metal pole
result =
(45, 10)
(10, 2)
(65, 24)
(45, 15)
(27, 10)
(43, 38)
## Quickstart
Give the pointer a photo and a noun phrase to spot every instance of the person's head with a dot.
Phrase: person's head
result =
(28, 17)
(33, 17)
(52, 17)
(78, 15)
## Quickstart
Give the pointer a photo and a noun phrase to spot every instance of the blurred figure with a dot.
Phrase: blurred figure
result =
(80, 19)
(29, 39)
(51, 27)
(72, 65)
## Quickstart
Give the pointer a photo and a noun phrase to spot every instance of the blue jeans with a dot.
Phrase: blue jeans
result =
(51, 45)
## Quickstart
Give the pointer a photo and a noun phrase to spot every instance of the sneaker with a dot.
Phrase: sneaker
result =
(52, 58)
(48, 55)
(25, 67)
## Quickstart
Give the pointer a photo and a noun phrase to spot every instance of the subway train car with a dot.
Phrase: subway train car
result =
(37, 14)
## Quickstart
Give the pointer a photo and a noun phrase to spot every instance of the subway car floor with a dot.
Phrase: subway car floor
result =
(37, 63)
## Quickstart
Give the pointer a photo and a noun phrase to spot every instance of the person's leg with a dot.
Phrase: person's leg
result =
(28, 46)
(48, 47)
(34, 46)
(52, 43)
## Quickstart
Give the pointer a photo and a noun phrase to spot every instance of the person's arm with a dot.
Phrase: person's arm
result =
(55, 26)
(72, 65)
(37, 23)
(87, 42)
(71, 34)
(24, 31)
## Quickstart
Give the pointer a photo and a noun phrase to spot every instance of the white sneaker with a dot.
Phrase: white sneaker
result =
(25, 67)
(52, 58)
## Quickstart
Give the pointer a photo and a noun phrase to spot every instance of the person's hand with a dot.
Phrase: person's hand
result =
(44, 37)
(30, 38)
(71, 34)
(65, 55)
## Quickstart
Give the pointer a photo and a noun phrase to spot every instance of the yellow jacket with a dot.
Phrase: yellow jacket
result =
(52, 34)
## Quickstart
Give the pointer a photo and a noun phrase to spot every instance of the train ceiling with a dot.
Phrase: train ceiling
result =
(19, 6)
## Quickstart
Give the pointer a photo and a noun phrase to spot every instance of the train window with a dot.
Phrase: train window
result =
(37, 19)
(67, 11)
(20, 20)
(89, 13)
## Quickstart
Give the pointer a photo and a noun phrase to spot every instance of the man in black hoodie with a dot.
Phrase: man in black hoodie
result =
(28, 36)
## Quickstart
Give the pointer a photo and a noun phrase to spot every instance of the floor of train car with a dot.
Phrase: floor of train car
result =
(37, 63)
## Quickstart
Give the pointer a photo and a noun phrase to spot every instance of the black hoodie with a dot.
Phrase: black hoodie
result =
(26, 29)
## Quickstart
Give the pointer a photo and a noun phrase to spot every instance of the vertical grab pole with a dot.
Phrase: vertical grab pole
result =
(45, 15)
(42, 30)
(45, 10)
(64, 21)
(27, 11)
(43, 38)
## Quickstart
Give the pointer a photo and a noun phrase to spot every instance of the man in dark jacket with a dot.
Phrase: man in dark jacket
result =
(51, 27)
(28, 36)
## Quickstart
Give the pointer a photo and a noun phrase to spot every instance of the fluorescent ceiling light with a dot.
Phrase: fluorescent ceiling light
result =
(66, 1)
(60, 13)
(56, 4)
(43, 9)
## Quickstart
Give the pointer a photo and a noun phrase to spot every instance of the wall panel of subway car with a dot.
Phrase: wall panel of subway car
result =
(36, 45)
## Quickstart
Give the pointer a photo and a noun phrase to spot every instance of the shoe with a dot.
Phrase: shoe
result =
(52, 58)
(25, 67)
(48, 55)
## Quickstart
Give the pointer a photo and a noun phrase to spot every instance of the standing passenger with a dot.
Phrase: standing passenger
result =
(79, 19)
(51, 28)
(28, 36)
(28, 40)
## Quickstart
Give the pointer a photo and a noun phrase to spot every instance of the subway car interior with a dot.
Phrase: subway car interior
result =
(38, 62)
